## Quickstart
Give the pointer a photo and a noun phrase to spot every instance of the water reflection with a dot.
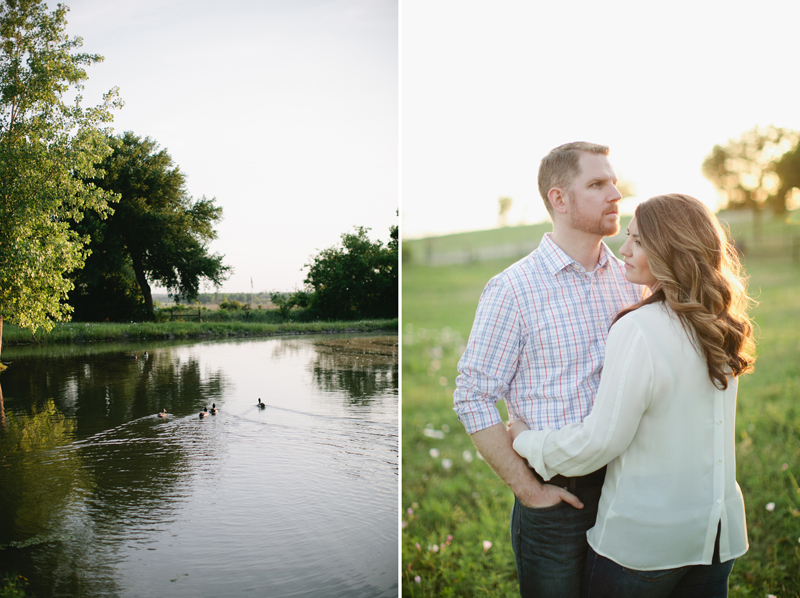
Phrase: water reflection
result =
(362, 369)
(35, 481)
(101, 497)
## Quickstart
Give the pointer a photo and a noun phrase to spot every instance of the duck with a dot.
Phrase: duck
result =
(213, 409)
(162, 413)
(261, 405)
(204, 413)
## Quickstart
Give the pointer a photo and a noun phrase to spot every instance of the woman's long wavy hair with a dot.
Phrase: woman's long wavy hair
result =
(691, 255)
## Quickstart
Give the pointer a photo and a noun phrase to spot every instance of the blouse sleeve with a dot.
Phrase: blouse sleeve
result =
(622, 398)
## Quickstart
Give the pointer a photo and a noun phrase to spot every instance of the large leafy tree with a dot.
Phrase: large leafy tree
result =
(357, 279)
(49, 145)
(158, 233)
(744, 169)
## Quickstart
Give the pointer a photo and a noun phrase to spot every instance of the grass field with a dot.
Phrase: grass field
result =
(455, 538)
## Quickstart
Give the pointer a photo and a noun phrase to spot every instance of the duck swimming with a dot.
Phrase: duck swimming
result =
(261, 405)
(213, 409)
(204, 413)
(162, 413)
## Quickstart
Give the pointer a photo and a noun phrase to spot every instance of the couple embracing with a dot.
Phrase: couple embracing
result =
(620, 380)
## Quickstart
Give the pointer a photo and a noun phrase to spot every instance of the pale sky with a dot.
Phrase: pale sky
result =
(488, 88)
(286, 111)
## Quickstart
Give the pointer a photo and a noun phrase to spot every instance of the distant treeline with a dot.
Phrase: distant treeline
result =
(217, 298)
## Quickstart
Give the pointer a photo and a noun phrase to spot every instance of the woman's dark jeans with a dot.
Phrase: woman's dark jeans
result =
(604, 578)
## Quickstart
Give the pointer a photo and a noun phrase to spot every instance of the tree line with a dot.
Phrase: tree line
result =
(89, 220)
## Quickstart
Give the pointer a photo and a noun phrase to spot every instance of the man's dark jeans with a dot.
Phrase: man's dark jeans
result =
(550, 545)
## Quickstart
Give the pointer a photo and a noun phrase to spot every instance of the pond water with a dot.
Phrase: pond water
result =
(100, 497)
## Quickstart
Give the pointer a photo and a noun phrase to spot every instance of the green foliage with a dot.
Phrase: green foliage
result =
(47, 148)
(456, 502)
(156, 234)
(286, 301)
(12, 586)
(357, 280)
(744, 170)
(233, 304)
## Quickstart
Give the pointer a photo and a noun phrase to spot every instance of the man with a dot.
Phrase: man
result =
(538, 342)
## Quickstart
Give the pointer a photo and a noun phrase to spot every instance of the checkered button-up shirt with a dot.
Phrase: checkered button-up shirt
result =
(539, 339)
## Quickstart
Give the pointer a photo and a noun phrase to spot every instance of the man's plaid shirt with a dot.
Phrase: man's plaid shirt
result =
(539, 340)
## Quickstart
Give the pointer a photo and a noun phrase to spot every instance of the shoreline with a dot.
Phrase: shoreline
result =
(80, 332)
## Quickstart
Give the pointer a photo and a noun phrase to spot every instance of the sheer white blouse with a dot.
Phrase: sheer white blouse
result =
(667, 435)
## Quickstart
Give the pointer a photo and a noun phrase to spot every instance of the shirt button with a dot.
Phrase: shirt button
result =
(719, 500)
(719, 461)
(719, 422)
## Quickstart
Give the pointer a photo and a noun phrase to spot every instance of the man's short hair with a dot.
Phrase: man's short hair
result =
(561, 166)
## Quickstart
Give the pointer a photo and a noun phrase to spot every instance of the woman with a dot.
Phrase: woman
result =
(671, 515)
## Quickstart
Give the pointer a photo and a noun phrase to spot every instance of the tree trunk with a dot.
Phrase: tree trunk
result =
(1, 335)
(143, 284)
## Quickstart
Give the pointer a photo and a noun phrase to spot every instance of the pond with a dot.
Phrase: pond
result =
(100, 497)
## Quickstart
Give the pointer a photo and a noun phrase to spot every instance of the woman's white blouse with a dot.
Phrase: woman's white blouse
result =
(667, 435)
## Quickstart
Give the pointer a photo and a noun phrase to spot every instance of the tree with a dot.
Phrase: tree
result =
(788, 171)
(161, 233)
(286, 301)
(744, 169)
(358, 279)
(48, 147)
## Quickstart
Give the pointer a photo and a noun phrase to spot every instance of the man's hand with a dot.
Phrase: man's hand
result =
(549, 495)
(516, 427)
(494, 444)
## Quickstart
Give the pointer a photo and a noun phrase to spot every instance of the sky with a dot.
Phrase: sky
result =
(285, 111)
(487, 89)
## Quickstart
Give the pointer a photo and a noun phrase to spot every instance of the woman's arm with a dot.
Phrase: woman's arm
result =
(623, 397)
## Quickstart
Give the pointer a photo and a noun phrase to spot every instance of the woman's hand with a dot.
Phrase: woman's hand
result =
(516, 427)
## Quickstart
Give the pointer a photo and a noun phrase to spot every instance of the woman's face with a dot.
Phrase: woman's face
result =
(637, 270)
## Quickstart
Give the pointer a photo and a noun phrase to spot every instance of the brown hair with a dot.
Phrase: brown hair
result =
(561, 166)
(693, 258)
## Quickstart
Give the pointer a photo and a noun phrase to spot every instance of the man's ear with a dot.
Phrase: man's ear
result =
(558, 199)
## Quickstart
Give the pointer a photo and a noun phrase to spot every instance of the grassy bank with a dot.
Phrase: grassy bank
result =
(138, 331)
(454, 505)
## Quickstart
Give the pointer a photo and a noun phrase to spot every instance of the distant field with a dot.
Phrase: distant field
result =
(452, 502)
(769, 237)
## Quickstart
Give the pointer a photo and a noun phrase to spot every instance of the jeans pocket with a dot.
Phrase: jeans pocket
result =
(554, 507)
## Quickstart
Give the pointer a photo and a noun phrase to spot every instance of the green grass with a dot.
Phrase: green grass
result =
(72, 332)
(457, 505)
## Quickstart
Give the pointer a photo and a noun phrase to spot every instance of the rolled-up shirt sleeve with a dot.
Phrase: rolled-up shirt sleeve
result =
(624, 395)
(490, 360)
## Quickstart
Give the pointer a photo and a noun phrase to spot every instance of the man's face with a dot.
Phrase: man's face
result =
(593, 197)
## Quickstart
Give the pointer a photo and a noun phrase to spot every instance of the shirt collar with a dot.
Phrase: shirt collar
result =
(556, 260)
